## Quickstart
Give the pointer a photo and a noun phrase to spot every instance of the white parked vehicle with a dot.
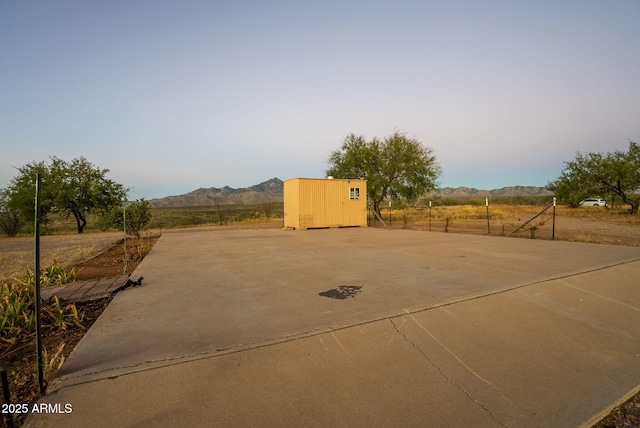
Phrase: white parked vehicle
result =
(593, 203)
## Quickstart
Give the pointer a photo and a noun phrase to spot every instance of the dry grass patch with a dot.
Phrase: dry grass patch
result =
(17, 254)
(588, 224)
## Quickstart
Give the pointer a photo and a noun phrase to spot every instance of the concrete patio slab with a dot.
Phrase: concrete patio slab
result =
(230, 328)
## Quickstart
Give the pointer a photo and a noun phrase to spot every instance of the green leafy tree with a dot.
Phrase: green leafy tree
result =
(599, 174)
(136, 216)
(75, 188)
(397, 166)
(9, 217)
(21, 193)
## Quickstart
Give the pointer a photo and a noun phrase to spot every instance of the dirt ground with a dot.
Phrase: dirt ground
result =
(17, 254)
(99, 255)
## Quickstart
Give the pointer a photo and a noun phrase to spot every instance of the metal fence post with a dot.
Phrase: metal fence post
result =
(553, 221)
(488, 225)
(37, 288)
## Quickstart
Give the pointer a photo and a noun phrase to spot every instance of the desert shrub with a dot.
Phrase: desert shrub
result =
(135, 217)
(17, 305)
(17, 311)
(63, 316)
(138, 216)
(170, 217)
(54, 274)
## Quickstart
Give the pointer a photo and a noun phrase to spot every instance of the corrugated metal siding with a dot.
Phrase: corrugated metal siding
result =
(291, 204)
(320, 200)
(324, 203)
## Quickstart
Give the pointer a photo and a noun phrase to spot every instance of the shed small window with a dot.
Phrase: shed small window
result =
(354, 193)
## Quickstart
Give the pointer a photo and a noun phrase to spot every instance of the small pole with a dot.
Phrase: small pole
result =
(553, 222)
(37, 287)
(124, 222)
(488, 224)
(389, 213)
(429, 216)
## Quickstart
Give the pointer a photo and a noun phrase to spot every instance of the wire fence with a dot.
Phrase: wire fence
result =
(516, 221)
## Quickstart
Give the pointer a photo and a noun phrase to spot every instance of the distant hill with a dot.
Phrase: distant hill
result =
(272, 191)
(504, 191)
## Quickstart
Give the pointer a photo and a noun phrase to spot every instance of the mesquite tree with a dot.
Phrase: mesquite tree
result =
(600, 174)
(75, 188)
(397, 166)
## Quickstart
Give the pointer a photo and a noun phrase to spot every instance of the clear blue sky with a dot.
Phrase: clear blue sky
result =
(176, 95)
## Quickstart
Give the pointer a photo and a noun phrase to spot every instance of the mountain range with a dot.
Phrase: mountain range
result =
(267, 191)
(504, 191)
(272, 191)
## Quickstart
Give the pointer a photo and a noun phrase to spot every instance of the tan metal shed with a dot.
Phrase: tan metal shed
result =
(325, 202)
